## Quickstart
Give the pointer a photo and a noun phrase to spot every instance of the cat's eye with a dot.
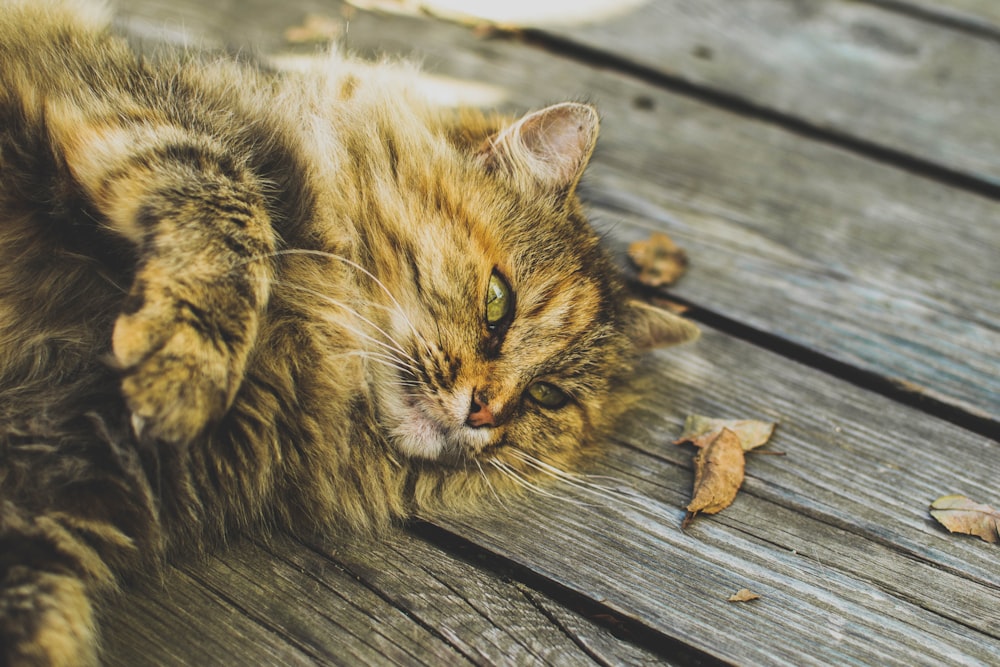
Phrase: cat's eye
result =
(499, 301)
(547, 395)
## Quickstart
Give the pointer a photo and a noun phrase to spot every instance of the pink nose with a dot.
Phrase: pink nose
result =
(480, 414)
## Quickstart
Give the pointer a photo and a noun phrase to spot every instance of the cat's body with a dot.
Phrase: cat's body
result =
(231, 298)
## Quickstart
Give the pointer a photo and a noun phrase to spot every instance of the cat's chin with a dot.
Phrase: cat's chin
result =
(419, 437)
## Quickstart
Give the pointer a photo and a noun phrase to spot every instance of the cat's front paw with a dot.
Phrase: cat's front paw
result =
(176, 377)
(45, 619)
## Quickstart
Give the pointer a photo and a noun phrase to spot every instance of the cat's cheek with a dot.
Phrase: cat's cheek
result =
(555, 437)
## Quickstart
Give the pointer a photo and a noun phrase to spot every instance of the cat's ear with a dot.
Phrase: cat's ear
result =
(549, 148)
(650, 327)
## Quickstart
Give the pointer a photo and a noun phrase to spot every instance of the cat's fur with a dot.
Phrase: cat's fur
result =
(230, 298)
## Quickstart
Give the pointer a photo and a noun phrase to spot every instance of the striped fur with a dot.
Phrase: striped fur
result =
(231, 299)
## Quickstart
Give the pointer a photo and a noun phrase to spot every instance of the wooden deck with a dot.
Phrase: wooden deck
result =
(833, 169)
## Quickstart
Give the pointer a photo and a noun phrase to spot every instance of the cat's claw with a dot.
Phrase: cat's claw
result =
(138, 426)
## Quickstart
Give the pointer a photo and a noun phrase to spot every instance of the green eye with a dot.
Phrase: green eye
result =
(499, 301)
(547, 395)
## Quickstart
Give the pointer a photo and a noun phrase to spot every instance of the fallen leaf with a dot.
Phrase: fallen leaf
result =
(701, 431)
(961, 515)
(316, 28)
(659, 260)
(718, 475)
(743, 595)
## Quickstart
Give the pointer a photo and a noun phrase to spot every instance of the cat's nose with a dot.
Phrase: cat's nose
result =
(480, 414)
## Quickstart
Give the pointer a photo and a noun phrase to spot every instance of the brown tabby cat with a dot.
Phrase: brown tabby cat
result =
(232, 298)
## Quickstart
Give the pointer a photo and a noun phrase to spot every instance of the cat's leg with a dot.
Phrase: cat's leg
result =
(198, 219)
(46, 580)
(76, 509)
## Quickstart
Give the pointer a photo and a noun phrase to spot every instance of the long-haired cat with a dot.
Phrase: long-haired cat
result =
(233, 298)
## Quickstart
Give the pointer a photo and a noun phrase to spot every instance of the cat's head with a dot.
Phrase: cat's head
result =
(511, 333)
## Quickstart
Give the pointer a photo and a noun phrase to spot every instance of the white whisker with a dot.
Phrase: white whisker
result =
(384, 359)
(395, 346)
(523, 482)
(489, 484)
(363, 270)
(583, 482)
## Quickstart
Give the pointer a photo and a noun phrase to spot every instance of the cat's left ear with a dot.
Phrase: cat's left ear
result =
(650, 327)
(548, 148)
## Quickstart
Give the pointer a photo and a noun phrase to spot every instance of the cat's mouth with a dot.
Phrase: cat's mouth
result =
(421, 433)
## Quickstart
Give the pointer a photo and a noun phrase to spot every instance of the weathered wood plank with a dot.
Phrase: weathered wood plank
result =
(604, 646)
(489, 620)
(321, 613)
(854, 69)
(856, 462)
(835, 536)
(180, 622)
(396, 601)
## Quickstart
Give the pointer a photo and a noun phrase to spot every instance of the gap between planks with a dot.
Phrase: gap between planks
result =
(896, 390)
(955, 19)
(627, 628)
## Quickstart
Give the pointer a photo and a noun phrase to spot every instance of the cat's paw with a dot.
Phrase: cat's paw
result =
(177, 380)
(45, 619)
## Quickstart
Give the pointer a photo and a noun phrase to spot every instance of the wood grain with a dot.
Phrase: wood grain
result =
(398, 601)
(318, 614)
(181, 622)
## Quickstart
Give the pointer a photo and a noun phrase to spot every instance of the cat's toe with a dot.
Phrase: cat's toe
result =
(175, 382)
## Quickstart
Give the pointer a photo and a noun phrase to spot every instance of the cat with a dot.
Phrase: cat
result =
(232, 298)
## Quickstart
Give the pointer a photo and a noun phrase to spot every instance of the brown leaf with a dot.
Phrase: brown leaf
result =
(961, 515)
(718, 474)
(743, 595)
(701, 431)
(659, 260)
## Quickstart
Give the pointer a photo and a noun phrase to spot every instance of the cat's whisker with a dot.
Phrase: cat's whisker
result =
(576, 480)
(489, 484)
(385, 359)
(582, 482)
(513, 475)
(407, 364)
(329, 255)
(410, 389)
(519, 479)
(395, 346)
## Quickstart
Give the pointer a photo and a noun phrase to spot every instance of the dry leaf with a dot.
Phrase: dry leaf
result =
(659, 260)
(700, 431)
(960, 515)
(718, 475)
(316, 28)
(743, 595)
